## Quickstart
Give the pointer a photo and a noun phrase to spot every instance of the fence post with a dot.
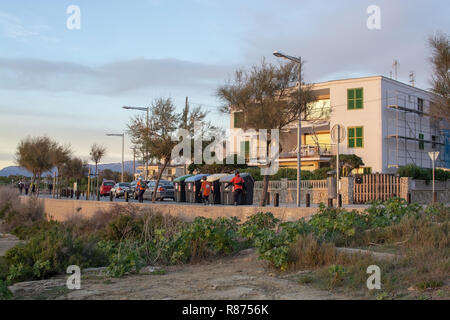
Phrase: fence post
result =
(330, 202)
(308, 200)
(276, 201)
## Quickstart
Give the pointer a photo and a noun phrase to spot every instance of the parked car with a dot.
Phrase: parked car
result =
(119, 189)
(165, 190)
(105, 188)
(134, 192)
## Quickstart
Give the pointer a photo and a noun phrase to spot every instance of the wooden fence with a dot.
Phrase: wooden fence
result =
(377, 186)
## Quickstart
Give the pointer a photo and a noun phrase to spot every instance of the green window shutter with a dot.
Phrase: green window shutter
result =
(351, 132)
(351, 93)
(359, 137)
(358, 104)
(238, 119)
(355, 137)
(351, 142)
(359, 93)
(421, 142)
(355, 98)
(245, 147)
(359, 142)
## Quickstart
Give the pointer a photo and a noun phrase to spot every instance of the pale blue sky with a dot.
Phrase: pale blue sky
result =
(71, 84)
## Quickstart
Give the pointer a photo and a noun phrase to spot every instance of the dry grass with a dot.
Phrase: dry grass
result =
(16, 213)
(423, 265)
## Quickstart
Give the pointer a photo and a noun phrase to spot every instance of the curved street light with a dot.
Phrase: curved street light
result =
(299, 129)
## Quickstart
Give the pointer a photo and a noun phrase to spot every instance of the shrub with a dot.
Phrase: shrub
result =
(51, 251)
(16, 213)
(204, 238)
(5, 293)
(124, 258)
(415, 172)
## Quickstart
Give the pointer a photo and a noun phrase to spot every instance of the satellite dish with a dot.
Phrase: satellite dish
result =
(338, 133)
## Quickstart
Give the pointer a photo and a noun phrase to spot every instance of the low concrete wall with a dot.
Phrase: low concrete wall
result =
(422, 191)
(61, 210)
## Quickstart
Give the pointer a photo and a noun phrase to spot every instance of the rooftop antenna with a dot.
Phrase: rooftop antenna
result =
(412, 78)
(396, 65)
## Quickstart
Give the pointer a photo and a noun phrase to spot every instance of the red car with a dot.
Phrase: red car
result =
(106, 186)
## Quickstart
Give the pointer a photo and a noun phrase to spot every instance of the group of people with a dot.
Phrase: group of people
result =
(238, 189)
(25, 187)
(29, 187)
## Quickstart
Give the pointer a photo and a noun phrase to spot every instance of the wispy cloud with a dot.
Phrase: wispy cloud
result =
(13, 27)
(108, 79)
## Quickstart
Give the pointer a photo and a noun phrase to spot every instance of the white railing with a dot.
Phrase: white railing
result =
(292, 185)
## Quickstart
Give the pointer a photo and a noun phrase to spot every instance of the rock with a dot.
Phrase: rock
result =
(149, 270)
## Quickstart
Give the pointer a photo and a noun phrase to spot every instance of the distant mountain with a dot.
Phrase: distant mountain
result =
(115, 167)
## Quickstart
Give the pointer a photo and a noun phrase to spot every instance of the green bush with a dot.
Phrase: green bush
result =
(418, 173)
(51, 251)
(203, 238)
(5, 293)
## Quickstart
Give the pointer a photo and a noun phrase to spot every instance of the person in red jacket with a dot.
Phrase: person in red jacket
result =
(238, 188)
(206, 191)
(141, 186)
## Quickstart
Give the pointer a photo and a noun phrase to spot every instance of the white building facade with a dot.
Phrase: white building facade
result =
(387, 124)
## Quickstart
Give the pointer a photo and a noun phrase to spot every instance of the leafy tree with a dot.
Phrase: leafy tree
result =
(164, 122)
(347, 162)
(75, 169)
(187, 121)
(440, 60)
(60, 156)
(266, 97)
(138, 129)
(35, 155)
(96, 154)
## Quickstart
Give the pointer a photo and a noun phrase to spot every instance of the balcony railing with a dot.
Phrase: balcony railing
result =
(323, 150)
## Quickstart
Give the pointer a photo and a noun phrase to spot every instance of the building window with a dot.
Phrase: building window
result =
(245, 149)
(367, 170)
(238, 119)
(355, 137)
(420, 104)
(355, 98)
(433, 139)
(421, 142)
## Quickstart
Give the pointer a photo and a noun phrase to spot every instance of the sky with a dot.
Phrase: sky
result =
(70, 84)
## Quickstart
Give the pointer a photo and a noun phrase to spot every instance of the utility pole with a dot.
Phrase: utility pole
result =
(134, 162)
(185, 166)
(88, 193)
(298, 61)
(299, 136)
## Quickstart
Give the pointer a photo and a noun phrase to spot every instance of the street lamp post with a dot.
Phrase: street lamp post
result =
(298, 61)
(123, 145)
(147, 109)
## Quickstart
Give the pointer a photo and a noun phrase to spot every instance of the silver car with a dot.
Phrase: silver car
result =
(120, 188)
(165, 190)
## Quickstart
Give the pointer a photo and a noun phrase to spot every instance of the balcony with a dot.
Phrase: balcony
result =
(310, 151)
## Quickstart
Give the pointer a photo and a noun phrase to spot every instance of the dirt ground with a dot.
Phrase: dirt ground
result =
(242, 276)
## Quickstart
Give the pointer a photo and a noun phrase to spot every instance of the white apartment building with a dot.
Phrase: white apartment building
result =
(386, 122)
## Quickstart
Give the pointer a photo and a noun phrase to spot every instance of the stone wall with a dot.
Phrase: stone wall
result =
(287, 190)
(62, 210)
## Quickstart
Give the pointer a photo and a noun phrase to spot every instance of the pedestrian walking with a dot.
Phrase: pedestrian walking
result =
(27, 187)
(20, 185)
(141, 186)
(205, 190)
(238, 188)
